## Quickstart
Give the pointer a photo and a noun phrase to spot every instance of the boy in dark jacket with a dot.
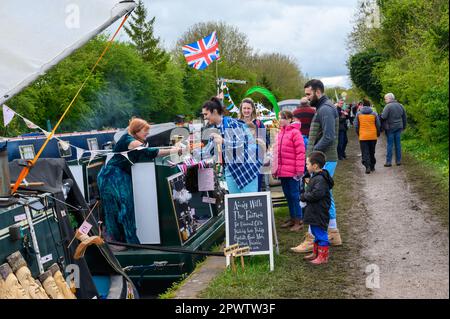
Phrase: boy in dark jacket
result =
(318, 201)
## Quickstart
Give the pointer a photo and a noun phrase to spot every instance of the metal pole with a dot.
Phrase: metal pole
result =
(33, 237)
(217, 78)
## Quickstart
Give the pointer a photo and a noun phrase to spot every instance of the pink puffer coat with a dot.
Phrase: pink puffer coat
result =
(289, 152)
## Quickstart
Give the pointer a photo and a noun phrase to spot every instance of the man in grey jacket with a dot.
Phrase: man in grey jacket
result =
(323, 136)
(394, 118)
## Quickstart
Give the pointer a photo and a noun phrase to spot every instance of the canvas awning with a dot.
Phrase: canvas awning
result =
(36, 35)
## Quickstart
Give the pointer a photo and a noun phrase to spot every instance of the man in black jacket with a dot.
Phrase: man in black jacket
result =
(318, 201)
(323, 136)
(342, 137)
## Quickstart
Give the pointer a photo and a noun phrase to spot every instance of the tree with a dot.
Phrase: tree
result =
(281, 73)
(199, 86)
(363, 67)
(141, 33)
(407, 54)
(233, 44)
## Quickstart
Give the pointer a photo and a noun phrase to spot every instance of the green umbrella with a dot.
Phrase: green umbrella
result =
(269, 95)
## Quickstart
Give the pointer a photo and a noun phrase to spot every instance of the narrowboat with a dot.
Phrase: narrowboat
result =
(174, 235)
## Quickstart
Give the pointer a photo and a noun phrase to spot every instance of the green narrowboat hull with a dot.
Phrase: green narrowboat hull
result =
(143, 264)
(178, 264)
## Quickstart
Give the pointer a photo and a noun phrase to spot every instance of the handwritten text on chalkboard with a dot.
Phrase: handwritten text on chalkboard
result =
(248, 222)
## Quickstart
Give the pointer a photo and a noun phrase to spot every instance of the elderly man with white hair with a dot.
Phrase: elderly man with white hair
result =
(394, 117)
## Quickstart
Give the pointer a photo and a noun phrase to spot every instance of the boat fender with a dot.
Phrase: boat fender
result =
(86, 241)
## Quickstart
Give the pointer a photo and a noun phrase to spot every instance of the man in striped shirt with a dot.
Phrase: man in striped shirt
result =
(305, 113)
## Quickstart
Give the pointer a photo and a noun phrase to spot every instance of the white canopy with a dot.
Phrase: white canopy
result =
(36, 35)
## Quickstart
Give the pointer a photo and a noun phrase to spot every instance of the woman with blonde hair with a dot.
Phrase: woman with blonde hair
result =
(248, 115)
(115, 184)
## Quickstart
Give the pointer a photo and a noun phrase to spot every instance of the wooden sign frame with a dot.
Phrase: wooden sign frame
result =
(269, 224)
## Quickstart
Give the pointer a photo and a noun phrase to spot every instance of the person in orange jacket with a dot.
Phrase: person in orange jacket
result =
(368, 128)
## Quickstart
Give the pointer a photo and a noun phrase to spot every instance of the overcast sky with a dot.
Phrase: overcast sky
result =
(312, 31)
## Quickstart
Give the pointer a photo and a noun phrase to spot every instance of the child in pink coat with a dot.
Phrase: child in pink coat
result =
(289, 165)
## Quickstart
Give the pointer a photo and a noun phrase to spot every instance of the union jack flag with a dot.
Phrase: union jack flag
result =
(202, 53)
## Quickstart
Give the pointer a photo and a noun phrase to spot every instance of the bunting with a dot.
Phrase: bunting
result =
(8, 115)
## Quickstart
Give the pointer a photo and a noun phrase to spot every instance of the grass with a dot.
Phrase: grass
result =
(170, 293)
(293, 277)
(427, 171)
(435, 155)
(430, 185)
(341, 277)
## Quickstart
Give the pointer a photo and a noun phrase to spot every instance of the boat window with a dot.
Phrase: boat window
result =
(192, 212)
(92, 144)
(26, 152)
(65, 150)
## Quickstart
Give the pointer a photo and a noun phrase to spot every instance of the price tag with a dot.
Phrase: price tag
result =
(19, 218)
(46, 259)
(85, 228)
(209, 200)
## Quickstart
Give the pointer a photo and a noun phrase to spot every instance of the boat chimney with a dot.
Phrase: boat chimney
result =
(5, 187)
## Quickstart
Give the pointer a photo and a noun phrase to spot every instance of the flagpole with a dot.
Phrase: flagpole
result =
(217, 77)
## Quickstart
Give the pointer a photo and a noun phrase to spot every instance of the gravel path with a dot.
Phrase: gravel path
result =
(405, 244)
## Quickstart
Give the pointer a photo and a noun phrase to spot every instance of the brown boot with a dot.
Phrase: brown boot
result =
(288, 223)
(334, 237)
(306, 246)
(298, 225)
(20, 268)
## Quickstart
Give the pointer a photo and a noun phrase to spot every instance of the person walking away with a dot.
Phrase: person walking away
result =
(342, 138)
(304, 114)
(323, 137)
(394, 115)
(288, 166)
(248, 115)
(351, 114)
(317, 197)
(368, 128)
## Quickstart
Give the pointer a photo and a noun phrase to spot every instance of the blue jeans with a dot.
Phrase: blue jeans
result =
(342, 143)
(393, 137)
(291, 190)
(305, 141)
(233, 188)
(320, 236)
(331, 167)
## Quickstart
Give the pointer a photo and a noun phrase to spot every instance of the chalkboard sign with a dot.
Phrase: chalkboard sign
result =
(248, 220)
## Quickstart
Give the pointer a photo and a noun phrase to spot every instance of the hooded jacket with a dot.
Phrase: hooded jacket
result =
(289, 157)
(367, 124)
(318, 199)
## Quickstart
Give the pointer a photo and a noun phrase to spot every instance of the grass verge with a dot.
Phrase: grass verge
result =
(171, 292)
(430, 184)
(293, 277)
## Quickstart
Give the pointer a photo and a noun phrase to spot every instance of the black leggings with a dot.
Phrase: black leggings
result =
(368, 153)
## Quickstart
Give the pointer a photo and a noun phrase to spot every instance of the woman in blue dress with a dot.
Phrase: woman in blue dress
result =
(115, 184)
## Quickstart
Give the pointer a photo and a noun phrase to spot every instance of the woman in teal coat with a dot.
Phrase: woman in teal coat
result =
(115, 184)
